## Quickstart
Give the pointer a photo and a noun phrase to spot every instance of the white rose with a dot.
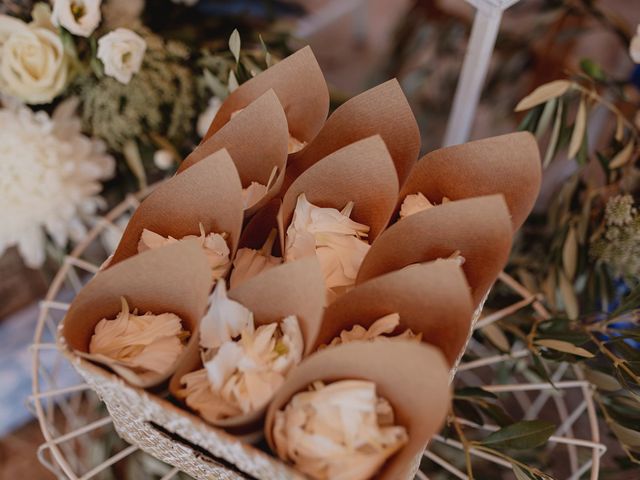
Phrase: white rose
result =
(121, 52)
(80, 17)
(33, 65)
(634, 48)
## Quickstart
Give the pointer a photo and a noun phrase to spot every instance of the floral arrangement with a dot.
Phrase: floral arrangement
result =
(314, 344)
(99, 99)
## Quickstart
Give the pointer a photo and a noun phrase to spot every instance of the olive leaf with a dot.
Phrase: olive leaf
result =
(555, 135)
(579, 129)
(569, 297)
(565, 347)
(233, 81)
(626, 435)
(543, 94)
(234, 44)
(602, 381)
(496, 336)
(465, 392)
(570, 253)
(521, 435)
(623, 156)
(545, 118)
(134, 161)
(619, 135)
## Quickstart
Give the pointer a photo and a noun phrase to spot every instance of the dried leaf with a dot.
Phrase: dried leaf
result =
(583, 222)
(549, 288)
(623, 156)
(570, 253)
(569, 297)
(555, 135)
(565, 347)
(234, 44)
(579, 129)
(134, 161)
(602, 380)
(521, 435)
(545, 118)
(626, 435)
(496, 336)
(544, 93)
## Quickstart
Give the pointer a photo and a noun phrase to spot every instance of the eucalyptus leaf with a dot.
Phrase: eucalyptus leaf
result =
(579, 129)
(543, 94)
(521, 435)
(565, 347)
(234, 44)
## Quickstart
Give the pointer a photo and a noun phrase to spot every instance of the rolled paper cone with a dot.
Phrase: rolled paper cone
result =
(478, 228)
(382, 110)
(172, 279)
(432, 299)
(412, 376)
(257, 139)
(300, 86)
(295, 288)
(208, 193)
(257, 229)
(362, 172)
(508, 164)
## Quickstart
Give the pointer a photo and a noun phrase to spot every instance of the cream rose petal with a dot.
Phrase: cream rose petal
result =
(414, 203)
(224, 320)
(80, 17)
(121, 52)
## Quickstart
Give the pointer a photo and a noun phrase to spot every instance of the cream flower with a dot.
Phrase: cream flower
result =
(80, 17)
(256, 191)
(381, 328)
(33, 64)
(214, 245)
(49, 179)
(121, 52)
(415, 203)
(224, 320)
(144, 343)
(341, 431)
(249, 262)
(335, 239)
(206, 117)
(242, 376)
(634, 47)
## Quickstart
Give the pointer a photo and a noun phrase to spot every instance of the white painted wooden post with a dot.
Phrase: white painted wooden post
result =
(474, 69)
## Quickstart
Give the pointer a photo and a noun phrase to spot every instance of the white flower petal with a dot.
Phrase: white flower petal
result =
(414, 203)
(121, 52)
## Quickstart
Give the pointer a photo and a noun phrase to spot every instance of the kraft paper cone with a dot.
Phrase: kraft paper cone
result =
(432, 299)
(412, 376)
(209, 193)
(172, 279)
(256, 138)
(479, 228)
(508, 164)
(295, 288)
(362, 172)
(382, 110)
(257, 230)
(301, 88)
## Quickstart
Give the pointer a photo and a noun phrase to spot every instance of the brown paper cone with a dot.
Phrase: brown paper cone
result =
(256, 138)
(172, 279)
(508, 164)
(382, 110)
(362, 172)
(300, 87)
(209, 193)
(431, 298)
(412, 376)
(295, 288)
(479, 228)
(257, 230)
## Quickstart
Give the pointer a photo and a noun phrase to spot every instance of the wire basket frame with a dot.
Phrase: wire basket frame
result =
(70, 416)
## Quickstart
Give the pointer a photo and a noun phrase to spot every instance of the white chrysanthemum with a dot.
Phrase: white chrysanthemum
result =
(50, 177)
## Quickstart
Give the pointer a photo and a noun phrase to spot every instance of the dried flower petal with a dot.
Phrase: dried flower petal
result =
(295, 145)
(242, 376)
(256, 191)
(335, 238)
(381, 328)
(224, 320)
(249, 262)
(415, 203)
(339, 431)
(142, 342)
(214, 245)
